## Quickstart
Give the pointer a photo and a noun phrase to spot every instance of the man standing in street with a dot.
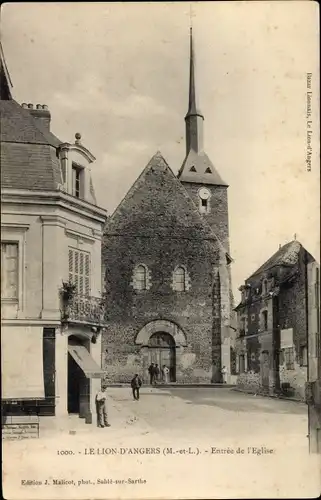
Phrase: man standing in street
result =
(101, 408)
(224, 374)
(136, 384)
(151, 371)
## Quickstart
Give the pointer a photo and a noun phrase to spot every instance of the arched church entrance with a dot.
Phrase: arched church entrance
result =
(162, 351)
(162, 342)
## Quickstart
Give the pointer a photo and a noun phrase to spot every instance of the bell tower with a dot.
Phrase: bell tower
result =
(197, 173)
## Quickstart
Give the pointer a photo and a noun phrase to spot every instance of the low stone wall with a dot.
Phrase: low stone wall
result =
(251, 382)
(296, 378)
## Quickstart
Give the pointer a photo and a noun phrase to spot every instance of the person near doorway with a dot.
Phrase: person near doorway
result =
(157, 373)
(136, 384)
(151, 371)
(224, 374)
(165, 374)
(101, 408)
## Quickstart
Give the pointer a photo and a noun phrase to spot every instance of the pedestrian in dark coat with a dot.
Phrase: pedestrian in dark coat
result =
(151, 371)
(157, 373)
(136, 384)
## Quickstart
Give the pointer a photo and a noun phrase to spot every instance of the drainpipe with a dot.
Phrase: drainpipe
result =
(276, 344)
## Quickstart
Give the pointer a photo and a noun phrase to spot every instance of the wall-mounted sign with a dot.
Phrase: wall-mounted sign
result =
(286, 338)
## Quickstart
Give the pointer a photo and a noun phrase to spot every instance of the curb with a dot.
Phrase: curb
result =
(173, 386)
(272, 396)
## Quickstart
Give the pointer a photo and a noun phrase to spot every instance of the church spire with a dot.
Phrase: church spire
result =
(194, 118)
(192, 98)
(197, 168)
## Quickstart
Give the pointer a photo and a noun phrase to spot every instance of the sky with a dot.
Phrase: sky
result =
(118, 74)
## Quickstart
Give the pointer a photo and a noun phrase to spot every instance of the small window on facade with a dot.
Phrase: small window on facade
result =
(79, 270)
(9, 271)
(179, 279)
(252, 317)
(140, 277)
(77, 181)
(242, 327)
(242, 363)
(208, 170)
(303, 355)
(265, 320)
(192, 169)
(289, 358)
(264, 287)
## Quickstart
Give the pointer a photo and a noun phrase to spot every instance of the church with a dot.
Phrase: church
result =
(166, 264)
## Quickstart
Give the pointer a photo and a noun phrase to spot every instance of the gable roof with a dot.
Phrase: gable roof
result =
(157, 175)
(18, 125)
(198, 168)
(191, 221)
(286, 256)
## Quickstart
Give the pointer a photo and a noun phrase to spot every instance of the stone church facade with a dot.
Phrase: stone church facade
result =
(167, 268)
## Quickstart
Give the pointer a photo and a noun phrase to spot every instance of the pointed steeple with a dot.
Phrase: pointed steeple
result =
(197, 167)
(192, 98)
(194, 118)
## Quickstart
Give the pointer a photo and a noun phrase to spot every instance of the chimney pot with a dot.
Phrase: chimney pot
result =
(39, 106)
(44, 106)
(30, 106)
(24, 105)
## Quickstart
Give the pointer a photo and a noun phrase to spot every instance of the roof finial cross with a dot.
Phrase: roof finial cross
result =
(295, 236)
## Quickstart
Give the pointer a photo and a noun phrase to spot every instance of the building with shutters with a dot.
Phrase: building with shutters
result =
(51, 230)
(166, 261)
(278, 338)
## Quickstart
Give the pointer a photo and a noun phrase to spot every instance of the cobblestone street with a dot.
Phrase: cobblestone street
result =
(174, 432)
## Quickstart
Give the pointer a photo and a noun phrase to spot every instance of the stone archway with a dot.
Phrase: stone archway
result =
(159, 341)
(161, 325)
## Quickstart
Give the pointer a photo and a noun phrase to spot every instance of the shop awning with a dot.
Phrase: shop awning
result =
(85, 361)
(22, 362)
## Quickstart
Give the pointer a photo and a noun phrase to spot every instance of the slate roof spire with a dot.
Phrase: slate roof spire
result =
(197, 167)
(192, 97)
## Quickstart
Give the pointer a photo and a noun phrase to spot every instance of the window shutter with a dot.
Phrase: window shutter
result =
(87, 275)
(71, 264)
(79, 271)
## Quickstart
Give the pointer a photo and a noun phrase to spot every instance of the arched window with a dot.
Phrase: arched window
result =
(264, 287)
(140, 277)
(179, 279)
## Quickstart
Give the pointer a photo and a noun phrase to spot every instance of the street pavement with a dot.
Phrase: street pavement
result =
(184, 442)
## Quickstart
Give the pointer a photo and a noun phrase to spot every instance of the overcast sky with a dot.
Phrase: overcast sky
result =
(118, 74)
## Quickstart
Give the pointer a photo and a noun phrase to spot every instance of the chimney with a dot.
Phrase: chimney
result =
(41, 113)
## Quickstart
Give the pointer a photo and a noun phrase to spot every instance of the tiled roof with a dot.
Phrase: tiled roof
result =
(17, 125)
(29, 166)
(287, 255)
(198, 168)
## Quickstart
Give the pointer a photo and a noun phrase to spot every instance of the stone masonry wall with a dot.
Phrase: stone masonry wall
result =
(158, 225)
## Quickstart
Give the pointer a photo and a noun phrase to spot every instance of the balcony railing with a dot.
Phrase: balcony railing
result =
(84, 309)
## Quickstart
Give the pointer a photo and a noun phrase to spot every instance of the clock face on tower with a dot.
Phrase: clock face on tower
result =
(204, 193)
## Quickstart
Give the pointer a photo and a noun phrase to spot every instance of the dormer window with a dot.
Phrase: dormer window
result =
(77, 181)
(204, 203)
